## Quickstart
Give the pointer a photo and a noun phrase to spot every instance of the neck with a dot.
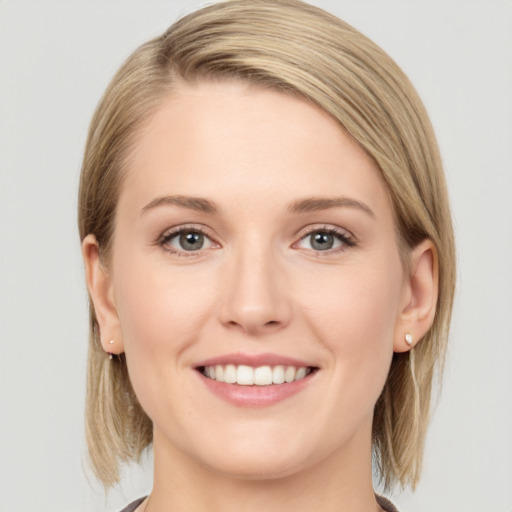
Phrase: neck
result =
(341, 482)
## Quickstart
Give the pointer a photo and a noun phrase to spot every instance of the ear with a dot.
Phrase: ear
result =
(100, 287)
(419, 297)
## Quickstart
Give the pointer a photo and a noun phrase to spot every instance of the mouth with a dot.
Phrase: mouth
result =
(265, 375)
(255, 380)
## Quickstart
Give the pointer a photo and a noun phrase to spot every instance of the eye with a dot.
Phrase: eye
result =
(186, 240)
(327, 239)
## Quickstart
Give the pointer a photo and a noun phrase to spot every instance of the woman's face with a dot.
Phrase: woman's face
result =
(254, 241)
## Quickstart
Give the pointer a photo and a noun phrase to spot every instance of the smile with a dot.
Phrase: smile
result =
(244, 375)
(255, 380)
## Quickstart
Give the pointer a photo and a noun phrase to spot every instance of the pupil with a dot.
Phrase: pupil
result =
(322, 241)
(191, 241)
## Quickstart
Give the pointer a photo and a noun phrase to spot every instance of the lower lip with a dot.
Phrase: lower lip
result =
(255, 396)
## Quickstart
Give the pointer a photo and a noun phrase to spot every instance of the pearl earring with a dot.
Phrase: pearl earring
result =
(110, 355)
(409, 339)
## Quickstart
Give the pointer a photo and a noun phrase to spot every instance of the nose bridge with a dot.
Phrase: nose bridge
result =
(255, 298)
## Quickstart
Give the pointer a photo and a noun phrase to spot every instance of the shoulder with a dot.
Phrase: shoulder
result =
(133, 505)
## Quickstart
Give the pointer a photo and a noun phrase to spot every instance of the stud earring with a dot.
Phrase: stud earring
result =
(409, 339)
(110, 355)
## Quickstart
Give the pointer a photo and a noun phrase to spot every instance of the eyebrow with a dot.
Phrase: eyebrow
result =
(198, 204)
(309, 204)
(313, 204)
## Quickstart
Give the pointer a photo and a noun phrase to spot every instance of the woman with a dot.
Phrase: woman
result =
(269, 255)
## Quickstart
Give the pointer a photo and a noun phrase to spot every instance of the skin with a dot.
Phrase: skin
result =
(257, 286)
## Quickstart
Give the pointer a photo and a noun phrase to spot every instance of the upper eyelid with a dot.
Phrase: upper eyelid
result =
(172, 231)
(347, 239)
(331, 228)
(299, 235)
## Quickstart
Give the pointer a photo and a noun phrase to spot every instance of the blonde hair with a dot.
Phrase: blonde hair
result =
(301, 50)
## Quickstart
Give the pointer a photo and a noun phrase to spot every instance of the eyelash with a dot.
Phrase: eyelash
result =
(343, 236)
(164, 240)
(346, 240)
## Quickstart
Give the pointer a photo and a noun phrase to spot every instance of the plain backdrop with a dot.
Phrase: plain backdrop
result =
(56, 59)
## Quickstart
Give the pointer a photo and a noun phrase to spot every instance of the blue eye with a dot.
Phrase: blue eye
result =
(186, 240)
(322, 240)
(190, 241)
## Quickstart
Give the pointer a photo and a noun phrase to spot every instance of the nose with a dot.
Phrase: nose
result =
(255, 299)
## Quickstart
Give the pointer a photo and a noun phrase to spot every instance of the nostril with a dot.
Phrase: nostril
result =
(270, 323)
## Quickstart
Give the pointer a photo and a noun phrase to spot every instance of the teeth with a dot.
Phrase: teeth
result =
(259, 376)
(263, 376)
(245, 375)
(301, 373)
(230, 374)
(278, 375)
(289, 374)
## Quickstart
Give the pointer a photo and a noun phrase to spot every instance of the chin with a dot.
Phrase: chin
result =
(258, 470)
(267, 458)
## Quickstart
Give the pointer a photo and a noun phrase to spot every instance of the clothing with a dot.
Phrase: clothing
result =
(133, 505)
(383, 502)
(386, 504)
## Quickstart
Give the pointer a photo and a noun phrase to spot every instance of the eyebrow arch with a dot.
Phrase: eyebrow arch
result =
(197, 204)
(312, 204)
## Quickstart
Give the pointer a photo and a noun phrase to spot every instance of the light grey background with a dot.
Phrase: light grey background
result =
(55, 60)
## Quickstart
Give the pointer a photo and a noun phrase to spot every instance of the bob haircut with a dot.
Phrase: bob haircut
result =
(303, 51)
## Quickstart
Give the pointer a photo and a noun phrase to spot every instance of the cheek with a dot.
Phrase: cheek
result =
(355, 315)
(159, 309)
(358, 300)
(162, 314)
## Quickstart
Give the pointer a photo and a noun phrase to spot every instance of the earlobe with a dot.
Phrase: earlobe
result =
(99, 284)
(420, 297)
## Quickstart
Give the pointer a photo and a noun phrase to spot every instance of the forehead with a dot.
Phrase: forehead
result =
(232, 142)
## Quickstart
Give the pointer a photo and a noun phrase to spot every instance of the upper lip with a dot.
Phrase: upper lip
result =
(254, 360)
